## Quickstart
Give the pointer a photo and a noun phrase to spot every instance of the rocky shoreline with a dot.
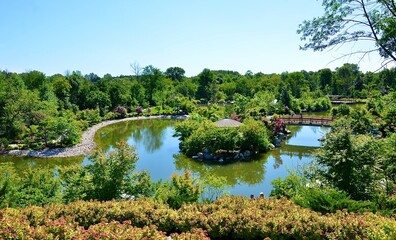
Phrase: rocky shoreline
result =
(87, 143)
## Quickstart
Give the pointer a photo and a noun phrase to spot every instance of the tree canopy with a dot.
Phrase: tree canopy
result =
(346, 21)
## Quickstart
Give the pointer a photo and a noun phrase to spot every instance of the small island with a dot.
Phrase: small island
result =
(228, 139)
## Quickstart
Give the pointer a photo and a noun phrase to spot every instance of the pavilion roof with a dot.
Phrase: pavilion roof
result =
(226, 122)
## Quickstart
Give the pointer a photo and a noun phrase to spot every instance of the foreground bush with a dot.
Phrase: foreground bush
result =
(226, 218)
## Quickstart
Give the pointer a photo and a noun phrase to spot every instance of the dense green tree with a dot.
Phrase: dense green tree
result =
(325, 76)
(33, 79)
(296, 81)
(119, 92)
(61, 87)
(61, 130)
(389, 162)
(37, 187)
(253, 137)
(285, 96)
(187, 88)
(154, 83)
(98, 99)
(388, 77)
(138, 93)
(206, 81)
(175, 73)
(80, 89)
(349, 162)
(347, 79)
(18, 111)
(92, 77)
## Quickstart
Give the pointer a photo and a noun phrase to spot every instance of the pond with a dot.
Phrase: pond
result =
(158, 153)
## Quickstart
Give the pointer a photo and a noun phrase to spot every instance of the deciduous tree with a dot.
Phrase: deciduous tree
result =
(346, 21)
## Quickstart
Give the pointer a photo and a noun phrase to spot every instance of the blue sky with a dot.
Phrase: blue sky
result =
(106, 36)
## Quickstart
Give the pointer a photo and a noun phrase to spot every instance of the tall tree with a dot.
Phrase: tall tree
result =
(33, 79)
(206, 80)
(346, 21)
(154, 82)
(325, 76)
(175, 73)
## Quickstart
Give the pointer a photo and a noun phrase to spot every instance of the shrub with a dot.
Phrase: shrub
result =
(179, 190)
(341, 110)
(225, 218)
(121, 112)
(139, 110)
(91, 116)
(107, 177)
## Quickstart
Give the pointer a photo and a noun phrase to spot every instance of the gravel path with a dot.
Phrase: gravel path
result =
(87, 143)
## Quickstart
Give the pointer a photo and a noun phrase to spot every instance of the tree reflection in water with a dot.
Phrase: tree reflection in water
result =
(159, 154)
(251, 172)
(149, 133)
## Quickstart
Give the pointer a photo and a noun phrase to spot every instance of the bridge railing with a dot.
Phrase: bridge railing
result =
(307, 120)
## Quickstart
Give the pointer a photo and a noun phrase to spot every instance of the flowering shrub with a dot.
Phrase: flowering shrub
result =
(139, 110)
(121, 112)
(276, 124)
(226, 218)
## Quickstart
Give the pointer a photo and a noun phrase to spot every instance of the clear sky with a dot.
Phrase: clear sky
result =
(106, 36)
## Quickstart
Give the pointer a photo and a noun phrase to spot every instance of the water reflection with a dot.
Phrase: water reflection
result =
(22, 163)
(149, 133)
(305, 136)
(251, 172)
(158, 153)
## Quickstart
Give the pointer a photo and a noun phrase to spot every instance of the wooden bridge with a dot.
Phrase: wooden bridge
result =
(351, 101)
(307, 120)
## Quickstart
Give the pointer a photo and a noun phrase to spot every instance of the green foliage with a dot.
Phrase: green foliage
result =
(198, 136)
(185, 129)
(63, 131)
(388, 150)
(350, 162)
(342, 110)
(37, 187)
(175, 73)
(31, 103)
(252, 135)
(181, 189)
(213, 112)
(90, 116)
(288, 187)
(107, 177)
(8, 179)
(206, 84)
(316, 196)
(213, 187)
(328, 200)
(349, 21)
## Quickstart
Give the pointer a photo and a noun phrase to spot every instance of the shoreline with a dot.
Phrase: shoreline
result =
(87, 143)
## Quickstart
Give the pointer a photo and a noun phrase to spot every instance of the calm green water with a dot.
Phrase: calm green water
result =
(159, 154)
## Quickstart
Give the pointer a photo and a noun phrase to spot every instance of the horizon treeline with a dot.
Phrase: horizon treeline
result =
(41, 110)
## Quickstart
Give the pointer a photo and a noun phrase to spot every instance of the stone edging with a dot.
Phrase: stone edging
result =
(87, 140)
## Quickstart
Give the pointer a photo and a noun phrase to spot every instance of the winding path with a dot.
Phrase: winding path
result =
(87, 143)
